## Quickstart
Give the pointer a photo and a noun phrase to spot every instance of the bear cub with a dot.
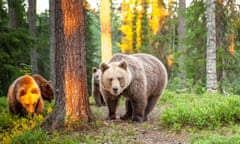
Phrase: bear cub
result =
(45, 86)
(96, 73)
(140, 78)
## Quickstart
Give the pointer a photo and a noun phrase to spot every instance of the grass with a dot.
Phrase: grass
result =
(201, 111)
(208, 119)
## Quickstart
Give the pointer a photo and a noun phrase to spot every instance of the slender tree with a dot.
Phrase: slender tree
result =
(70, 60)
(32, 30)
(181, 31)
(211, 47)
(52, 41)
(106, 40)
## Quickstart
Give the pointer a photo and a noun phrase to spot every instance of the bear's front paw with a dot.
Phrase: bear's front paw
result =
(125, 117)
(113, 117)
(137, 119)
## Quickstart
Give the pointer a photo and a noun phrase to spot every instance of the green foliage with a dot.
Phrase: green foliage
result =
(92, 44)
(14, 45)
(30, 137)
(201, 111)
(43, 44)
(215, 139)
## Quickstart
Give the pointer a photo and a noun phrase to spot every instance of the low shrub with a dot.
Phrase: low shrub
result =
(201, 111)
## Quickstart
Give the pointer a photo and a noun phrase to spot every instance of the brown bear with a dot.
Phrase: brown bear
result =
(96, 73)
(24, 96)
(140, 78)
(45, 87)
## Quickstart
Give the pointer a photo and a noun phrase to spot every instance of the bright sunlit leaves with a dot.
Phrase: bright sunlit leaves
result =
(132, 26)
(231, 46)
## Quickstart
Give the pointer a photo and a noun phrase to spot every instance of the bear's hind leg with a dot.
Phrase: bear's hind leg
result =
(128, 114)
(139, 106)
(152, 100)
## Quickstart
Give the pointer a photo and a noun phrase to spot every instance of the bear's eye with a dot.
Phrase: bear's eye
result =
(22, 92)
(120, 78)
(110, 79)
(34, 91)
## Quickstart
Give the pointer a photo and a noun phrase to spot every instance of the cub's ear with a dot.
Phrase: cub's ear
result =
(94, 69)
(123, 64)
(104, 66)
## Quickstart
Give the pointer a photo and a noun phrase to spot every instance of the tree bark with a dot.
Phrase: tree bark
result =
(11, 15)
(32, 30)
(70, 58)
(52, 41)
(211, 47)
(181, 34)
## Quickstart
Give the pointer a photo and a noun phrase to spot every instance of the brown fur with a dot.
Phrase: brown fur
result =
(96, 73)
(45, 87)
(24, 96)
(140, 78)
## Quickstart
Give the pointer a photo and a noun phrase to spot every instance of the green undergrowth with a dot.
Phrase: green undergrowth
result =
(200, 111)
(13, 125)
(207, 118)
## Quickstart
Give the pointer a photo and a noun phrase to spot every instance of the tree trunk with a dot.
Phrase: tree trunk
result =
(70, 60)
(106, 40)
(11, 14)
(52, 41)
(211, 47)
(32, 30)
(181, 31)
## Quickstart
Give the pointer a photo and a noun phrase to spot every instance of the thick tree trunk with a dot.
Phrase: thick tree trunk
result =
(181, 33)
(106, 39)
(211, 47)
(71, 78)
(32, 30)
(52, 41)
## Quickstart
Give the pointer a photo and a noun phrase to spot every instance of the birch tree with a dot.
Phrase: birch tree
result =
(211, 47)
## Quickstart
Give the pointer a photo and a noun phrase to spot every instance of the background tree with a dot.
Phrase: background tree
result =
(106, 40)
(71, 82)
(52, 41)
(32, 30)
(181, 35)
(211, 74)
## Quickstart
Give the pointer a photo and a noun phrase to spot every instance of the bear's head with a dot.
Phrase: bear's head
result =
(45, 87)
(96, 73)
(115, 77)
(47, 91)
(28, 94)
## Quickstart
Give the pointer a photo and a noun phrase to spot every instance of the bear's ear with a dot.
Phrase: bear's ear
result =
(104, 66)
(123, 64)
(94, 69)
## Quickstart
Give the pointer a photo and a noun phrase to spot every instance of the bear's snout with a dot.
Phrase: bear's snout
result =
(115, 90)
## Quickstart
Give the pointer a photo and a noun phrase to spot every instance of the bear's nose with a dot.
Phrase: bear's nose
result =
(115, 89)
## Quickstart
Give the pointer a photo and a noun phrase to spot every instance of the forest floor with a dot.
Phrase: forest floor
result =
(150, 132)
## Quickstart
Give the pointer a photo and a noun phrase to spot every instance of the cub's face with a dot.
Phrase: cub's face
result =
(28, 97)
(47, 91)
(96, 75)
(114, 77)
